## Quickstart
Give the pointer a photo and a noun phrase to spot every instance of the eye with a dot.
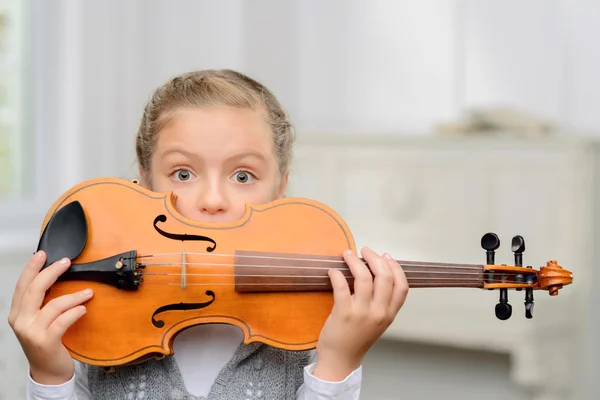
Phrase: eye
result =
(243, 177)
(182, 174)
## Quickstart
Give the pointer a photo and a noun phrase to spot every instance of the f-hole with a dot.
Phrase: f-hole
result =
(181, 307)
(183, 237)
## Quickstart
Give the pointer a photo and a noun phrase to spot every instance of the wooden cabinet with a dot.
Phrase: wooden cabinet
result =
(432, 200)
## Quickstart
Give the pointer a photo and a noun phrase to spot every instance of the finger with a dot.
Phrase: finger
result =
(58, 306)
(363, 279)
(341, 291)
(383, 284)
(32, 268)
(401, 287)
(60, 325)
(35, 293)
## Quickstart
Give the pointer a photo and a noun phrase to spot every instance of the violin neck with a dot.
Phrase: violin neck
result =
(275, 272)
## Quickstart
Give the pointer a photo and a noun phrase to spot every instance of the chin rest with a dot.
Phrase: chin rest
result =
(65, 235)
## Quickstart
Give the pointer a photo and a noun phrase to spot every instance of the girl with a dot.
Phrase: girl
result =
(219, 140)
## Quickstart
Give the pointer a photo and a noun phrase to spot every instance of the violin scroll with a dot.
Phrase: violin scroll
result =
(553, 277)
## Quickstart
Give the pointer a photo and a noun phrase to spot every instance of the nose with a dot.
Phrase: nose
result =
(212, 199)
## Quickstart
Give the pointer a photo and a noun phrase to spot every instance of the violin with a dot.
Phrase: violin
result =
(155, 273)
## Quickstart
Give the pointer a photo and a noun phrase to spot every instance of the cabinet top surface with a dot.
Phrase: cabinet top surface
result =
(554, 141)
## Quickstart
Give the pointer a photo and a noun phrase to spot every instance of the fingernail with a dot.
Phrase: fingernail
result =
(87, 292)
(387, 256)
(347, 252)
(38, 254)
(64, 260)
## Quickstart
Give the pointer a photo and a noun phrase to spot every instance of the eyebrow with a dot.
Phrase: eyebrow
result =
(179, 150)
(247, 154)
(235, 157)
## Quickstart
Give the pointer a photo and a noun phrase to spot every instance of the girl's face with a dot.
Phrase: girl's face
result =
(216, 160)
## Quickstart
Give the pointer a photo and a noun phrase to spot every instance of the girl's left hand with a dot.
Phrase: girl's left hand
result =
(358, 320)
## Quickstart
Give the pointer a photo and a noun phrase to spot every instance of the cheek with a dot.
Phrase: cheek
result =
(183, 204)
(186, 203)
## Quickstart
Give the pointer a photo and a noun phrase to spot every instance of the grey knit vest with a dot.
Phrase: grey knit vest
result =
(255, 372)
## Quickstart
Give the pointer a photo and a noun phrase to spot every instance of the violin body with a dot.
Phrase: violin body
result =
(125, 325)
(155, 273)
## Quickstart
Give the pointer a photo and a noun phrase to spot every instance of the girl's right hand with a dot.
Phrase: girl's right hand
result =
(40, 331)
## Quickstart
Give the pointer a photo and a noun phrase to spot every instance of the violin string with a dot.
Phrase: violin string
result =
(287, 276)
(426, 269)
(409, 278)
(406, 272)
(242, 256)
(332, 261)
(178, 265)
(260, 284)
(236, 284)
(465, 276)
(413, 281)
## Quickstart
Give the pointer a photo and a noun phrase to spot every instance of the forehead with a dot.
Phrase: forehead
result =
(217, 131)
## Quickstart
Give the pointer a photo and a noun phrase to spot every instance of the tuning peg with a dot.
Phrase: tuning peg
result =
(503, 309)
(529, 300)
(518, 247)
(490, 243)
(528, 303)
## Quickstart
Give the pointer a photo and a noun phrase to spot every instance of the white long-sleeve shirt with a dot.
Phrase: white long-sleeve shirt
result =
(201, 352)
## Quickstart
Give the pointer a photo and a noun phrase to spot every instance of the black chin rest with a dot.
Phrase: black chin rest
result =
(65, 235)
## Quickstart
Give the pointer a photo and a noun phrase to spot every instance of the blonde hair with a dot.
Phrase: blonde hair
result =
(212, 88)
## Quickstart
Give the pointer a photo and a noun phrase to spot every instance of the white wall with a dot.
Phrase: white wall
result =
(537, 55)
(338, 66)
(354, 66)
